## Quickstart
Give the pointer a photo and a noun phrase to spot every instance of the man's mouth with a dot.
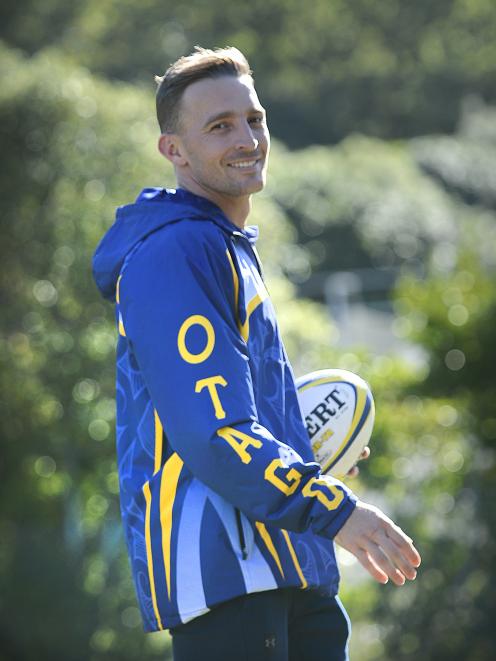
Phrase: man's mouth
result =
(244, 164)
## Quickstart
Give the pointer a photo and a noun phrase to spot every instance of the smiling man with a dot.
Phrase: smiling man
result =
(219, 141)
(229, 522)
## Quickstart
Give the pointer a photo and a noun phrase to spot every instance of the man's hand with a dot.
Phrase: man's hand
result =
(353, 472)
(380, 545)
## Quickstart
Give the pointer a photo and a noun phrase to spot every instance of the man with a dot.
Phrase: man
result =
(227, 516)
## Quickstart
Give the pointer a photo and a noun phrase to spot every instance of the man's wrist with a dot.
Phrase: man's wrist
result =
(346, 509)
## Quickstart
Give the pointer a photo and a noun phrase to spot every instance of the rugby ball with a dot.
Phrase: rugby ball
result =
(338, 410)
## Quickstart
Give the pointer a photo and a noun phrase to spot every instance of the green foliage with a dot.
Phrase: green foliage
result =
(76, 146)
(438, 440)
(389, 68)
(436, 433)
(364, 194)
(464, 163)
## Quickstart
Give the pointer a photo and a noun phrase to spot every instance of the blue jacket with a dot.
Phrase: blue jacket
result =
(220, 494)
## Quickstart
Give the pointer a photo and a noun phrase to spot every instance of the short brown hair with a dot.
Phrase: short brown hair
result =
(202, 63)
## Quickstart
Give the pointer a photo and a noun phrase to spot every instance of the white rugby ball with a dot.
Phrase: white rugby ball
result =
(338, 411)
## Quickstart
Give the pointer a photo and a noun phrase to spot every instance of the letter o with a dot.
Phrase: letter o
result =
(195, 358)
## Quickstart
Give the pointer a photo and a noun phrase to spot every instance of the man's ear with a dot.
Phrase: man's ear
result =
(170, 146)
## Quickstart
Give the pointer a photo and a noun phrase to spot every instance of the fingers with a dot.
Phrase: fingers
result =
(385, 563)
(353, 472)
(401, 558)
(366, 561)
(399, 545)
(409, 551)
(380, 545)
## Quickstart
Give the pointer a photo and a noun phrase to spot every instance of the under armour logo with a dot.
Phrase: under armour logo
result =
(270, 641)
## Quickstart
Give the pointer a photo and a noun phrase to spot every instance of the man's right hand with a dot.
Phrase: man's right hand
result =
(380, 545)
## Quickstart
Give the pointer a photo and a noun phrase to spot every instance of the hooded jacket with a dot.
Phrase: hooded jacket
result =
(220, 494)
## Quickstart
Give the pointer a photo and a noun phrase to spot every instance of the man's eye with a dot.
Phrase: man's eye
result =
(220, 126)
(256, 120)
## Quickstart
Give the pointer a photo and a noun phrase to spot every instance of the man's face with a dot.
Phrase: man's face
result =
(223, 138)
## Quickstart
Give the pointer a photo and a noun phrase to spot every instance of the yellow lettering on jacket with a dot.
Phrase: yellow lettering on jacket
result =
(317, 488)
(292, 477)
(211, 382)
(195, 358)
(239, 441)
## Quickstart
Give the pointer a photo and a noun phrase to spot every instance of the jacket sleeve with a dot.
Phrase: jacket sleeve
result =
(177, 302)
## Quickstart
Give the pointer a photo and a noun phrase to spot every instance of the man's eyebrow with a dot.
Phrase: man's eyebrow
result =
(225, 114)
(220, 115)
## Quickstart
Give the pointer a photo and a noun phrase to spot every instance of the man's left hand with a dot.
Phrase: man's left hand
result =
(353, 472)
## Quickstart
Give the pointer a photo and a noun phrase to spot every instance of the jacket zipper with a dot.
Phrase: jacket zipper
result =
(241, 534)
(254, 253)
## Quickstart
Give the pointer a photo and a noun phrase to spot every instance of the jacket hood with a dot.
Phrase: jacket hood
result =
(154, 208)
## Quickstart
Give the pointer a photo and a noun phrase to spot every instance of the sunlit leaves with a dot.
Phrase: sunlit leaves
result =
(76, 147)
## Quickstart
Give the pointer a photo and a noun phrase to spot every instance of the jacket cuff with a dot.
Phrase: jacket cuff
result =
(337, 522)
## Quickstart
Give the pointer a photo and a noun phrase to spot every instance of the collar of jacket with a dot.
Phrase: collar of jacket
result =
(153, 208)
(180, 197)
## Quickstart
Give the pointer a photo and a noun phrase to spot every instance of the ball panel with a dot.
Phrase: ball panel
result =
(339, 421)
(328, 420)
(361, 413)
(341, 462)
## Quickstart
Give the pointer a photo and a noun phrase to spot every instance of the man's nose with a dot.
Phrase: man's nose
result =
(245, 138)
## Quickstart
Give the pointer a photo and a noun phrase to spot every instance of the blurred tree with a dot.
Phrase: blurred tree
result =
(441, 442)
(466, 162)
(76, 146)
(433, 469)
(34, 25)
(388, 69)
(436, 430)
(366, 195)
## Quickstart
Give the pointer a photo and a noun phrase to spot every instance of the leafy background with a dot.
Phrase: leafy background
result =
(385, 156)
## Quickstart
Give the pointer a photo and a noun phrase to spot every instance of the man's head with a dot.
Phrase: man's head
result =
(213, 127)
(203, 63)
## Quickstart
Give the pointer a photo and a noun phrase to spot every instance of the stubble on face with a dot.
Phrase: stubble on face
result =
(224, 138)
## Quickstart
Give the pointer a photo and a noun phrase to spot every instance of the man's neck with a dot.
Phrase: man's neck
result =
(236, 209)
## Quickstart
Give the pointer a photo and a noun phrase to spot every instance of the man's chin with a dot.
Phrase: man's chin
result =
(255, 186)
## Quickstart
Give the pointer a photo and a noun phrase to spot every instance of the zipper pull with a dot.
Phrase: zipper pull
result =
(241, 534)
